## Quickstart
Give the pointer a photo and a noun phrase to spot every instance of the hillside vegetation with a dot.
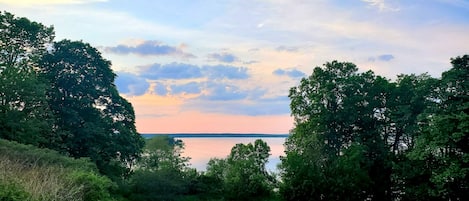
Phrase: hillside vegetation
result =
(31, 173)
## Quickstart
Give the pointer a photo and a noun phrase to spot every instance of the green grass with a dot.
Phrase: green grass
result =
(28, 173)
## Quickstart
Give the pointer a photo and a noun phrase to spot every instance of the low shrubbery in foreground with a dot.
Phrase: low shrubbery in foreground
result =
(30, 173)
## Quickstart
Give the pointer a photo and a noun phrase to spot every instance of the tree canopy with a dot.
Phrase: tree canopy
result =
(91, 118)
(23, 107)
(61, 95)
(359, 136)
(243, 173)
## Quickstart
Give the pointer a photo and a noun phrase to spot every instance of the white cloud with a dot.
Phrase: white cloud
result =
(381, 5)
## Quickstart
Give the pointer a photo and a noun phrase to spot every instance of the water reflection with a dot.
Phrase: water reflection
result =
(201, 150)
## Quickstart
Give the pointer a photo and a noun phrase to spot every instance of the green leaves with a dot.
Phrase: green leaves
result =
(345, 124)
(22, 42)
(23, 107)
(95, 120)
(163, 153)
(406, 139)
(243, 173)
(444, 143)
(161, 173)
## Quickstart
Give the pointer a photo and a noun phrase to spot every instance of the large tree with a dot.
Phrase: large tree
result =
(24, 113)
(411, 95)
(336, 150)
(91, 118)
(358, 136)
(442, 150)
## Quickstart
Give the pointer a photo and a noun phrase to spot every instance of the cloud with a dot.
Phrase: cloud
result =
(149, 48)
(279, 72)
(180, 71)
(386, 57)
(188, 88)
(383, 57)
(160, 89)
(251, 107)
(250, 62)
(224, 92)
(223, 98)
(223, 57)
(171, 71)
(381, 5)
(286, 49)
(131, 84)
(228, 72)
(292, 73)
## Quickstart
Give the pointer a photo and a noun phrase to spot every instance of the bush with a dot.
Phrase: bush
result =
(29, 155)
(33, 174)
(95, 187)
(10, 191)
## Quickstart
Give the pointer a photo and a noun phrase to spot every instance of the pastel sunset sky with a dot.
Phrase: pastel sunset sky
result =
(227, 65)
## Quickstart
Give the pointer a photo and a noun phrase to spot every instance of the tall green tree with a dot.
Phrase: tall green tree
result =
(22, 42)
(411, 96)
(358, 136)
(337, 150)
(24, 113)
(442, 151)
(91, 118)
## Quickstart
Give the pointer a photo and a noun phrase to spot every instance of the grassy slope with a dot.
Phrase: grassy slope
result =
(30, 173)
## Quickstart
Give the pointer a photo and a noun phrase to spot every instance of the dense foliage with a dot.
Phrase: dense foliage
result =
(358, 136)
(30, 173)
(242, 174)
(90, 118)
(61, 95)
(161, 173)
(23, 103)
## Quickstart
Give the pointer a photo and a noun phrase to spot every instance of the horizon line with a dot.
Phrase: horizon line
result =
(217, 133)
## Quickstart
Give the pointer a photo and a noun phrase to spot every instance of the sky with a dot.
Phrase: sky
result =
(227, 65)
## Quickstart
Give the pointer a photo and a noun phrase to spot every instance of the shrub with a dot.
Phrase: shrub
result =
(10, 191)
(32, 174)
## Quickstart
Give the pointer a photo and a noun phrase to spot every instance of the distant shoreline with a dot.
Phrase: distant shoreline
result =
(216, 135)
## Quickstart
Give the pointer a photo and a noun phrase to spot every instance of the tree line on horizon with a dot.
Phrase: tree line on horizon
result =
(357, 135)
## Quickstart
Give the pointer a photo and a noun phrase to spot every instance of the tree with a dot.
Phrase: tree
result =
(163, 152)
(22, 42)
(162, 173)
(24, 113)
(339, 116)
(410, 97)
(91, 118)
(242, 174)
(442, 151)
(358, 136)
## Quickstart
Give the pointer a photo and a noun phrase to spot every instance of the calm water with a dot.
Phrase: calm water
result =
(202, 149)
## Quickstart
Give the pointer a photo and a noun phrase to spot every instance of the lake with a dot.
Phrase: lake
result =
(201, 147)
